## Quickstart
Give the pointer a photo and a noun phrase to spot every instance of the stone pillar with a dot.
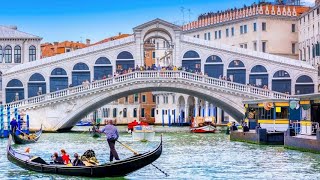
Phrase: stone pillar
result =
(186, 113)
(219, 113)
(196, 107)
(207, 109)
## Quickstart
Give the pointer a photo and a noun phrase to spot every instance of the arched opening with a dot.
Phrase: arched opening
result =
(102, 68)
(191, 61)
(281, 82)
(135, 113)
(182, 108)
(36, 85)
(304, 85)
(17, 54)
(58, 80)
(214, 66)
(80, 73)
(236, 72)
(14, 91)
(124, 61)
(191, 107)
(114, 112)
(124, 112)
(258, 76)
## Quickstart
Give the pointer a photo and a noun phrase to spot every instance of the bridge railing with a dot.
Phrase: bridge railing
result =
(151, 75)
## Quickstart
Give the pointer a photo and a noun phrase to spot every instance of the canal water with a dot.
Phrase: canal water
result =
(185, 156)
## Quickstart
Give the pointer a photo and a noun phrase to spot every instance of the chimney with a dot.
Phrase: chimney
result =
(87, 42)
(55, 43)
(119, 33)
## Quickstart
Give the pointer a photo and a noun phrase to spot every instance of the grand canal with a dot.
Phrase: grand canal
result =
(185, 156)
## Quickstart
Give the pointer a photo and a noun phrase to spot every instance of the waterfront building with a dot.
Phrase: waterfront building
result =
(16, 47)
(52, 49)
(269, 28)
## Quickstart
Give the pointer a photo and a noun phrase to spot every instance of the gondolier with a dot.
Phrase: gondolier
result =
(112, 135)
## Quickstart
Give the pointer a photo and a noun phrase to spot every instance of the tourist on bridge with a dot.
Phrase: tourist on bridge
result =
(112, 136)
(13, 124)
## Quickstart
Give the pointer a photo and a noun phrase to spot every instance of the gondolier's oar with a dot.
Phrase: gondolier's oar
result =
(136, 153)
(126, 146)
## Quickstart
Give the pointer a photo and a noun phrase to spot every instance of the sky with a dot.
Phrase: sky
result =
(77, 20)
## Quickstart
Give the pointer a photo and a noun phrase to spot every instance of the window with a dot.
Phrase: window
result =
(264, 26)
(245, 29)
(232, 31)
(255, 46)
(245, 46)
(205, 36)
(135, 112)
(209, 36)
(32, 53)
(216, 35)
(126, 99)
(254, 27)
(0, 54)
(68, 49)
(152, 112)
(142, 112)
(227, 32)
(124, 112)
(17, 54)
(264, 114)
(293, 45)
(241, 29)
(264, 46)
(136, 98)
(173, 99)
(153, 54)
(158, 99)
(114, 112)
(153, 98)
(105, 112)
(198, 36)
(143, 98)
(281, 112)
(318, 11)
(293, 28)
(8, 54)
(219, 34)
(241, 45)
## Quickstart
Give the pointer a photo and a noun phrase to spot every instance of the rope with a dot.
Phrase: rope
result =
(160, 170)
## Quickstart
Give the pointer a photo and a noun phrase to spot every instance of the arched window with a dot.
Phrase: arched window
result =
(32, 53)
(102, 68)
(124, 61)
(14, 91)
(304, 85)
(1, 55)
(114, 112)
(281, 82)
(17, 54)
(214, 66)
(58, 80)
(80, 74)
(135, 112)
(8, 54)
(236, 72)
(124, 112)
(36, 85)
(258, 76)
(191, 61)
(142, 112)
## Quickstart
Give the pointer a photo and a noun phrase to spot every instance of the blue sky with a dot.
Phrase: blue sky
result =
(77, 20)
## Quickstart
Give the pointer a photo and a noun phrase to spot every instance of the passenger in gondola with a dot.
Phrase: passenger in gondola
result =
(233, 127)
(56, 159)
(14, 124)
(245, 127)
(77, 161)
(65, 157)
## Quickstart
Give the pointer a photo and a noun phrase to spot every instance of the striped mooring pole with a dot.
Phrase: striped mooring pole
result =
(1, 121)
(8, 118)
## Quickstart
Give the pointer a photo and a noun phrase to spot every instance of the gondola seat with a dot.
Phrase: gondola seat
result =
(37, 159)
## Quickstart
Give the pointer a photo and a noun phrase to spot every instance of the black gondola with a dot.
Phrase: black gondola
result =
(19, 140)
(114, 169)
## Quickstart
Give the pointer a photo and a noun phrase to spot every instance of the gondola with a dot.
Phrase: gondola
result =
(18, 140)
(114, 169)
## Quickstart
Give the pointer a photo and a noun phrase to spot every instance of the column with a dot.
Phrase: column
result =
(207, 109)
(196, 106)
(186, 113)
(219, 113)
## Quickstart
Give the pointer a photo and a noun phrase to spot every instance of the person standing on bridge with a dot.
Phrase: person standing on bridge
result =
(112, 136)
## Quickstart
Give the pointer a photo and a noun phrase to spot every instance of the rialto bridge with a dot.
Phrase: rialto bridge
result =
(41, 88)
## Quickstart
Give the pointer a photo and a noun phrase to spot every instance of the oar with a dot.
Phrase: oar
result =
(136, 153)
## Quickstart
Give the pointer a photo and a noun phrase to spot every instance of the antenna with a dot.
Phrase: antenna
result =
(182, 11)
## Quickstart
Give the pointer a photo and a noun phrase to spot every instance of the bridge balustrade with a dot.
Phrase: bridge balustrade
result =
(150, 75)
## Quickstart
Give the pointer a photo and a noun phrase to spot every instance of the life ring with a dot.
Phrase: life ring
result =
(268, 105)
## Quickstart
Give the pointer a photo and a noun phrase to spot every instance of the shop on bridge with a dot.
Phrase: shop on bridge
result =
(36, 85)
(102, 68)
(124, 61)
(304, 85)
(214, 66)
(258, 76)
(281, 82)
(14, 91)
(237, 72)
(191, 61)
(80, 74)
(58, 80)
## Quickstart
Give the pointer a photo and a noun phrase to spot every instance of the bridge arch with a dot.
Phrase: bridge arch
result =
(259, 76)
(14, 91)
(191, 61)
(36, 85)
(281, 82)
(80, 73)
(124, 61)
(102, 68)
(304, 85)
(213, 66)
(237, 71)
(58, 79)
